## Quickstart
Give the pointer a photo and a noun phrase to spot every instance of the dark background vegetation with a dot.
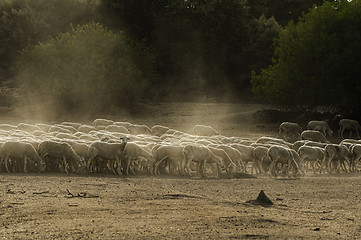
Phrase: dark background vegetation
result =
(101, 54)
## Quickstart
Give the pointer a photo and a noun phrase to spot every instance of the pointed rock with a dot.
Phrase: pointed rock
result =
(263, 199)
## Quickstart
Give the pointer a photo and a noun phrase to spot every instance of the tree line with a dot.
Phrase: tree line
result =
(81, 51)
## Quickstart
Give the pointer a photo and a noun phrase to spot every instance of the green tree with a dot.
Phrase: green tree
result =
(89, 68)
(317, 61)
(24, 22)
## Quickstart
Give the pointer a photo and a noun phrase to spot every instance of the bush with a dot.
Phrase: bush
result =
(317, 60)
(89, 68)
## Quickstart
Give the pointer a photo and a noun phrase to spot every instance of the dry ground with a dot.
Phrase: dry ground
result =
(65, 206)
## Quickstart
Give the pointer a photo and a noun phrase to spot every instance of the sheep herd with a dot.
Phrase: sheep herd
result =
(122, 148)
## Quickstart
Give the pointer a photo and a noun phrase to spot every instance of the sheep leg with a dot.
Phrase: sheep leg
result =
(118, 166)
(6, 162)
(25, 164)
(203, 168)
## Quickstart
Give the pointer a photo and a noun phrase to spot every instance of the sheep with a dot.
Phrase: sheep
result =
(273, 140)
(59, 130)
(356, 156)
(296, 145)
(86, 128)
(313, 135)
(63, 155)
(159, 130)
(234, 154)
(202, 130)
(70, 128)
(7, 127)
(66, 136)
(284, 156)
(315, 144)
(72, 124)
(247, 154)
(102, 122)
(172, 154)
(81, 149)
(115, 128)
(201, 155)
(21, 154)
(229, 165)
(132, 152)
(27, 127)
(289, 129)
(103, 152)
(321, 126)
(135, 129)
(261, 160)
(123, 124)
(348, 124)
(314, 155)
(338, 154)
(44, 127)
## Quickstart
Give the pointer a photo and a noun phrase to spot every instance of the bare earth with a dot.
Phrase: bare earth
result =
(67, 206)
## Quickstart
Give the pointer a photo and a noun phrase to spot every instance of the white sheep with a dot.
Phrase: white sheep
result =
(234, 154)
(44, 127)
(313, 155)
(289, 129)
(350, 125)
(272, 140)
(247, 154)
(229, 165)
(59, 129)
(133, 152)
(283, 156)
(63, 156)
(102, 122)
(80, 148)
(261, 161)
(86, 128)
(202, 130)
(73, 124)
(70, 128)
(171, 154)
(356, 156)
(159, 130)
(313, 135)
(296, 145)
(106, 155)
(336, 154)
(7, 127)
(23, 155)
(27, 127)
(316, 144)
(201, 155)
(117, 129)
(136, 129)
(321, 126)
(123, 124)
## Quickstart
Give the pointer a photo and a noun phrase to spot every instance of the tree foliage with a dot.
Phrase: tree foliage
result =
(198, 47)
(26, 22)
(317, 60)
(89, 68)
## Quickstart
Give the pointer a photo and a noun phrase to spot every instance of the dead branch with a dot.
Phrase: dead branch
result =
(81, 195)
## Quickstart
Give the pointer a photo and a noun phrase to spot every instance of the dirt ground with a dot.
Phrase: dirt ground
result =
(67, 206)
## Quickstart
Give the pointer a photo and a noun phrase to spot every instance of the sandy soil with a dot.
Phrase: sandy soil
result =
(66, 206)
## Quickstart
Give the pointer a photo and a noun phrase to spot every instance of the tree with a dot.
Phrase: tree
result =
(317, 61)
(88, 69)
(24, 22)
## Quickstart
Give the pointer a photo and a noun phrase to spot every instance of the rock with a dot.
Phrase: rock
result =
(263, 199)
